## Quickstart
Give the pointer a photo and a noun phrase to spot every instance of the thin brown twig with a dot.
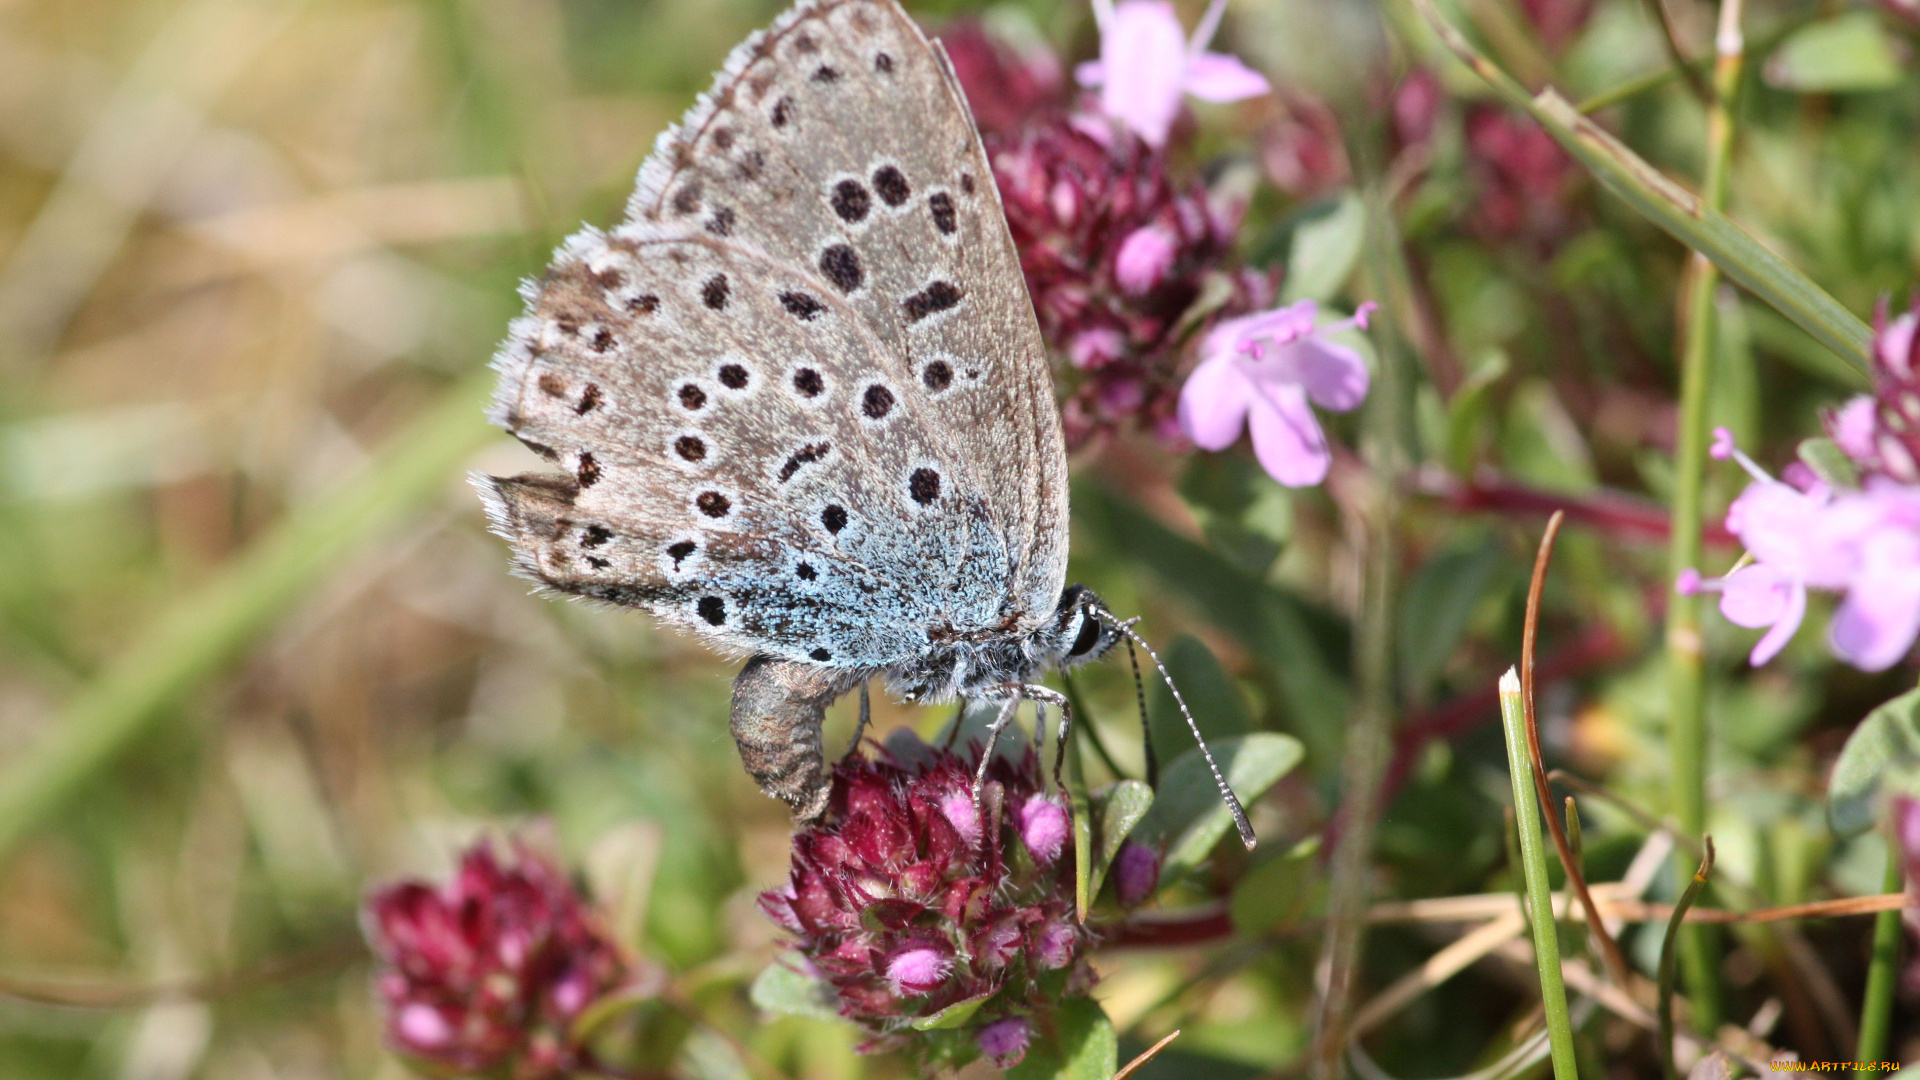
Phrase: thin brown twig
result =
(1146, 1055)
(1576, 876)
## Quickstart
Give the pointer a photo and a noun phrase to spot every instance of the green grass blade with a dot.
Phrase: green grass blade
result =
(203, 632)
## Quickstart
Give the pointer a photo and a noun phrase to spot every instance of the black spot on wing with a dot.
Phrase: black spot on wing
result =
(801, 306)
(841, 265)
(850, 201)
(937, 296)
(892, 185)
(944, 218)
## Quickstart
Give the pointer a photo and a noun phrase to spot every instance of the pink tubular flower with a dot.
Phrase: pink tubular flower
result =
(1147, 64)
(903, 915)
(1863, 543)
(487, 973)
(1259, 372)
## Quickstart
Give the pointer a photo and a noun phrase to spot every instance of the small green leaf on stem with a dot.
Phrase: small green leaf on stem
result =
(1081, 1045)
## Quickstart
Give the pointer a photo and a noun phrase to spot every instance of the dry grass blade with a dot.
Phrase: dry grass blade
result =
(1609, 948)
(1146, 1055)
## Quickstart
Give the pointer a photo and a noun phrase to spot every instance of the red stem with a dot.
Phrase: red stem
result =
(1612, 512)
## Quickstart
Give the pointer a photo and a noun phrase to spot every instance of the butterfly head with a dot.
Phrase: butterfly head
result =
(1077, 632)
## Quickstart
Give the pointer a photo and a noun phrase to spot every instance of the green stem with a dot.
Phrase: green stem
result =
(1876, 1011)
(1682, 214)
(1533, 860)
(1686, 695)
(1369, 737)
(201, 633)
(1688, 895)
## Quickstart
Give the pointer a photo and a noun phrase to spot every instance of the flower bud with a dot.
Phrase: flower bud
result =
(1136, 873)
(1004, 1042)
(1044, 827)
(1144, 258)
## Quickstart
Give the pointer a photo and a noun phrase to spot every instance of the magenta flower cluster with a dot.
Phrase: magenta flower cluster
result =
(1863, 543)
(1114, 253)
(487, 974)
(912, 902)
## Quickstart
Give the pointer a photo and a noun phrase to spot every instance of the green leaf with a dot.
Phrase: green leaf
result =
(1326, 248)
(1829, 463)
(1082, 1045)
(1076, 782)
(1189, 817)
(784, 991)
(1276, 893)
(1846, 53)
(1434, 611)
(953, 1016)
(1884, 749)
(1301, 648)
(1217, 704)
(1117, 808)
(1542, 444)
(1245, 515)
(1469, 410)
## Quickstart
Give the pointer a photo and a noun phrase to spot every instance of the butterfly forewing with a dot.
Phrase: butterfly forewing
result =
(800, 395)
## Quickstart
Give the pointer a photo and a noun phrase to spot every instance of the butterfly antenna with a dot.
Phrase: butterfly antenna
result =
(1226, 793)
(1146, 726)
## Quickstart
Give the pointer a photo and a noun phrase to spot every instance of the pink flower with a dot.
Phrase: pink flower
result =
(1115, 252)
(1259, 372)
(1862, 543)
(1146, 64)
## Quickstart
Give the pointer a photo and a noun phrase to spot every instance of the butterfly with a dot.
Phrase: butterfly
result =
(801, 401)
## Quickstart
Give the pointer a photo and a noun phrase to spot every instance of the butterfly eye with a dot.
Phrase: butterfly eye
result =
(1088, 637)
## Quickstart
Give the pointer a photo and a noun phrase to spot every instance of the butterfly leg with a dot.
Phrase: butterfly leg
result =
(993, 736)
(866, 717)
(779, 707)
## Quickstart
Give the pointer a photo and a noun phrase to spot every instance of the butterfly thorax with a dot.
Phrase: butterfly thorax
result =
(985, 664)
